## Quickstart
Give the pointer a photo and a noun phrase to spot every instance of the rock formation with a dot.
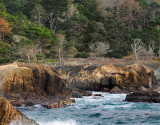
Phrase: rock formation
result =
(125, 78)
(31, 84)
(144, 96)
(10, 116)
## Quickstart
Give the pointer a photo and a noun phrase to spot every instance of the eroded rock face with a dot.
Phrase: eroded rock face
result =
(144, 96)
(29, 84)
(10, 116)
(88, 77)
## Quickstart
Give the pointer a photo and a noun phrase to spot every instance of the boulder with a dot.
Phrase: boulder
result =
(10, 116)
(142, 88)
(30, 84)
(144, 96)
(116, 90)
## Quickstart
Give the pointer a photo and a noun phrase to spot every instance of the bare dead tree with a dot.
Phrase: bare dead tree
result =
(29, 51)
(151, 49)
(61, 40)
(51, 20)
(137, 47)
(100, 48)
(38, 14)
(159, 51)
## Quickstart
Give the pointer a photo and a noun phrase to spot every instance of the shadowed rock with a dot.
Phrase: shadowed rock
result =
(144, 96)
(10, 116)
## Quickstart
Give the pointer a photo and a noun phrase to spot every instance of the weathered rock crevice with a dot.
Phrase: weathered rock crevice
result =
(31, 84)
(97, 78)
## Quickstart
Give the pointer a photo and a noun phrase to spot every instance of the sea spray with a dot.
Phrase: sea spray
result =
(107, 110)
(59, 122)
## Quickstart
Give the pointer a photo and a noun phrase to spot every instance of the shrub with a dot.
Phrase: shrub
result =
(81, 55)
(51, 61)
(5, 59)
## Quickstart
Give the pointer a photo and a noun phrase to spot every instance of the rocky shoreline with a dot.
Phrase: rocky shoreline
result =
(124, 79)
(53, 87)
(30, 84)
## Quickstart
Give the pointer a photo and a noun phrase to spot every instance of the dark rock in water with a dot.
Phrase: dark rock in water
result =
(73, 101)
(80, 94)
(144, 96)
(76, 95)
(10, 116)
(97, 95)
(116, 90)
(106, 90)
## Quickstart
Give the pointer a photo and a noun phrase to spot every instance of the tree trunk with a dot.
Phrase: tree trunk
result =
(29, 60)
(159, 51)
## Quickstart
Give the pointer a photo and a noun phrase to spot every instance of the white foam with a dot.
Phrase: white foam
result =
(59, 122)
(38, 106)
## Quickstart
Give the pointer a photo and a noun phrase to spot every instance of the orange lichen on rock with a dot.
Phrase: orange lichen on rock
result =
(98, 77)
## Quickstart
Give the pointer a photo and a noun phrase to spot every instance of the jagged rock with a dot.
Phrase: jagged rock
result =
(96, 78)
(10, 116)
(116, 90)
(29, 84)
(157, 89)
(142, 88)
(144, 96)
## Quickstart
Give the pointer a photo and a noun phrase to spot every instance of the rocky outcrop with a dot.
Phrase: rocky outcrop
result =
(116, 90)
(144, 96)
(10, 116)
(89, 77)
(29, 84)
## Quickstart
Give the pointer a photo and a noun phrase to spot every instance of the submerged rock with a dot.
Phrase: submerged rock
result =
(10, 116)
(30, 84)
(98, 95)
(144, 96)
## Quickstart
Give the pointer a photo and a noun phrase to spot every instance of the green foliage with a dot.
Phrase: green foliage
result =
(118, 53)
(32, 31)
(4, 52)
(2, 11)
(37, 22)
(26, 42)
(51, 61)
(5, 59)
(81, 55)
(89, 9)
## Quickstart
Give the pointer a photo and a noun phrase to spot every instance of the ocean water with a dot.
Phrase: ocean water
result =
(107, 110)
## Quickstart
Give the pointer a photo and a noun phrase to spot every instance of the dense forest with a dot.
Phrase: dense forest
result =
(35, 30)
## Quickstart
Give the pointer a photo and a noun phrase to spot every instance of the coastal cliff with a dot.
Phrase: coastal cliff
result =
(30, 84)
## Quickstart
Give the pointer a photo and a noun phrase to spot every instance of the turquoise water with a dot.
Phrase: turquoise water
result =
(107, 110)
